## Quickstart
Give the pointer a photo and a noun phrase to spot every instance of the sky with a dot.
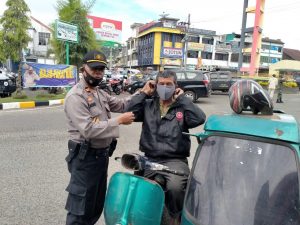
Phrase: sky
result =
(281, 20)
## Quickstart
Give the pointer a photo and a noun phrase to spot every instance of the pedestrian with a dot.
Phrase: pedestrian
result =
(273, 82)
(92, 134)
(166, 113)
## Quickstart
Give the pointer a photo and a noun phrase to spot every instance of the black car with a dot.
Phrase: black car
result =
(297, 80)
(7, 84)
(195, 84)
(220, 80)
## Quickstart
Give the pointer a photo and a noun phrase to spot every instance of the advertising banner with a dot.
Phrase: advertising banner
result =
(106, 30)
(172, 52)
(44, 75)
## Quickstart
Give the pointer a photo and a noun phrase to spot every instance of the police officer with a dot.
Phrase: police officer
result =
(92, 134)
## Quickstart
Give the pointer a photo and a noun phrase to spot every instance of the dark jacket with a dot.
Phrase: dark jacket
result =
(162, 137)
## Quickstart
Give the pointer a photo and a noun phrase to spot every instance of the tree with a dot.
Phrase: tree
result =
(15, 23)
(75, 12)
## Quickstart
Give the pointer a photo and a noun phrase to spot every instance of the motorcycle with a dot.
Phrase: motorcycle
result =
(105, 86)
(245, 171)
(116, 85)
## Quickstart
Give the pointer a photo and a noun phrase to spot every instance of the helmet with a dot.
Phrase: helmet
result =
(248, 93)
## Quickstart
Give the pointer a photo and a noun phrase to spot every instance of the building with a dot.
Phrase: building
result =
(270, 53)
(160, 44)
(132, 46)
(39, 47)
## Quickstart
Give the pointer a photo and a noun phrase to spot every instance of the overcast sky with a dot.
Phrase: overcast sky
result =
(281, 21)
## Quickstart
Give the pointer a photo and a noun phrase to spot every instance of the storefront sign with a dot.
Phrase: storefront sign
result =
(172, 52)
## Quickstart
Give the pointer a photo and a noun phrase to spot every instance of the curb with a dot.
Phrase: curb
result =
(31, 104)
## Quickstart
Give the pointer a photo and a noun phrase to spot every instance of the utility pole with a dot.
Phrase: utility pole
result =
(186, 40)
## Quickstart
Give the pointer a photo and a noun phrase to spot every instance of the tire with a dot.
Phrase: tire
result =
(191, 95)
(117, 91)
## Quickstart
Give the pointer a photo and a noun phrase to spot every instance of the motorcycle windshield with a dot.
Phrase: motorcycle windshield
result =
(243, 182)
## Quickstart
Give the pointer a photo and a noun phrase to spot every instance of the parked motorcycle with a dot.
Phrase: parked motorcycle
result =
(105, 86)
(116, 85)
(245, 171)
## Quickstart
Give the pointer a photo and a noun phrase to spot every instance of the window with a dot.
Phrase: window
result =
(191, 75)
(44, 38)
(206, 55)
(235, 57)
(167, 37)
(220, 56)
(194, 39)
(178, 38)
(192, 54)
(208, 41)
(180, 76)
(258, 180)
(246, 58)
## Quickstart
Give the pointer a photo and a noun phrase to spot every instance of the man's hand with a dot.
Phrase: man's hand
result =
(178, 92)
(126, 118)
(149, 87)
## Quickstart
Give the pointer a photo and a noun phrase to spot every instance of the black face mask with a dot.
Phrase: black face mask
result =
(91, 80)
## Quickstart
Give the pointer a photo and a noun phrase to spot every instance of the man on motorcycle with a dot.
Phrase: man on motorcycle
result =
(166, 113)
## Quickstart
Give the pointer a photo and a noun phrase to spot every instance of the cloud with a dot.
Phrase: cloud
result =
(280, 21)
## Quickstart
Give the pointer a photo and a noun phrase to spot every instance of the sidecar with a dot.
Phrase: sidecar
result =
(245, 171)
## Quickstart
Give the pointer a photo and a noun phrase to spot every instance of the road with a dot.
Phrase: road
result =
(33, 147)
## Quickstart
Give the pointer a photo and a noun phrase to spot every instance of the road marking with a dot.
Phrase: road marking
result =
(31, 109)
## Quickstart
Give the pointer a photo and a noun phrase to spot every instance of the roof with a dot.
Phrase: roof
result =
(42, 24)
(277, 126)
(292, 54)
(274, 41)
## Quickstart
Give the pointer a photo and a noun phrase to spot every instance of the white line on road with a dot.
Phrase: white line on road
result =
(37, 108)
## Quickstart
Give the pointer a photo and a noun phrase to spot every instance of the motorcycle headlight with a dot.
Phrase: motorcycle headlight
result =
(5, 83)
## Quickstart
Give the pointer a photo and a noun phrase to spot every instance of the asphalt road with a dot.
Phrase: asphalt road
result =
(33, 172)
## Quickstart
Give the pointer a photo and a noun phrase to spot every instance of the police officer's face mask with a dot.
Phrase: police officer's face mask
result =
(91, 80)
(165, 92)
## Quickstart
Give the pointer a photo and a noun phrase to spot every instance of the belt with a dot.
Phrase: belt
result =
(101, 152)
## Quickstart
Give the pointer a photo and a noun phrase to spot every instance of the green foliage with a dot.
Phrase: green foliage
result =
(75, 12)
(15, 23)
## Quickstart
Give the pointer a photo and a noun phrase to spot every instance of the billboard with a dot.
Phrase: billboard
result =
(44, 75)
(66, 31)
(109, 31)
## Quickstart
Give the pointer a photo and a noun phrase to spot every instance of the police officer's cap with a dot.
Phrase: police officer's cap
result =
(95, 59)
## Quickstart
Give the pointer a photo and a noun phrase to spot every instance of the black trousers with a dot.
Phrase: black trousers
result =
(175, 185)
(87, 187)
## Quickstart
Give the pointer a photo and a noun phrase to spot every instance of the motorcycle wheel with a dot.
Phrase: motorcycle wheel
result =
(117, 91)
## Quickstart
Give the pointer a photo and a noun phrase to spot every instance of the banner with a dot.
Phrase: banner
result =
(172, 52)
(44, 75)
(106, 30)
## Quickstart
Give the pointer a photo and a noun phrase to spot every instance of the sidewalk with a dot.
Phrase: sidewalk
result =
(30, 104)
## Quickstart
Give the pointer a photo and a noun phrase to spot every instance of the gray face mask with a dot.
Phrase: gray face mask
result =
(165, 92)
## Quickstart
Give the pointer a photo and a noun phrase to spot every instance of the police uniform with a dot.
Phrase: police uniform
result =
(91, 131)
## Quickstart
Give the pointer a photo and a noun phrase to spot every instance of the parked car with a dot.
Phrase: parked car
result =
(7, 83)
(195, 84)
(221, 80)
